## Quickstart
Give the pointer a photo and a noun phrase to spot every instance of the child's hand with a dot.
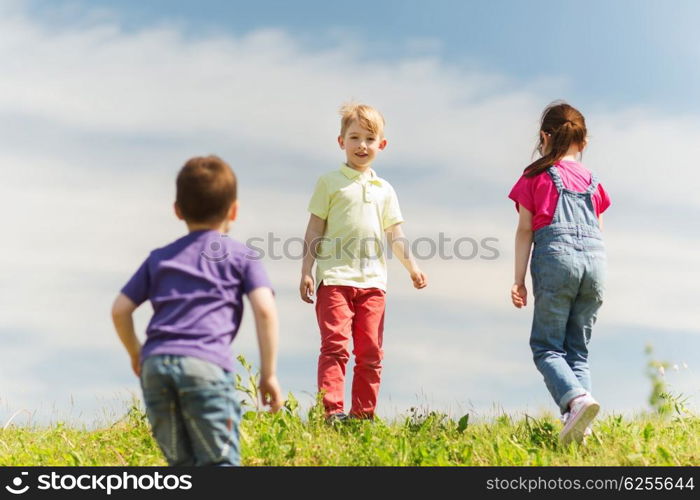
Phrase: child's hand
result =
(271, 393)
(518, 294)
(420, 280)
(136, 365)
(306, 288)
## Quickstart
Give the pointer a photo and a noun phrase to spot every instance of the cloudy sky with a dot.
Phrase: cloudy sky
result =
(102, 101)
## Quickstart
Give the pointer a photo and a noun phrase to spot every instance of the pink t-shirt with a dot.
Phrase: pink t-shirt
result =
(539, 195)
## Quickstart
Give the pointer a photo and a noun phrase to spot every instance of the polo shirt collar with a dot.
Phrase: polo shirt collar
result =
(351, 173)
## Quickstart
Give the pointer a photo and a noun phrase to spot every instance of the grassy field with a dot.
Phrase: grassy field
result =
(669, 435)
(416, 439)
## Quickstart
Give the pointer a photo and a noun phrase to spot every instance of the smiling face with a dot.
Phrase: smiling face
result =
(361, 145)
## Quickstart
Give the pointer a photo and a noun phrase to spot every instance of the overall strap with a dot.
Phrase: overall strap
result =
(554, 174)
(594, 184)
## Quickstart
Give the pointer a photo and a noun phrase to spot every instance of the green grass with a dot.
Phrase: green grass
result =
(416, 439)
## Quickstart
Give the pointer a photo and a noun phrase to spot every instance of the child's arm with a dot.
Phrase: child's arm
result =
(122, 311)
(314, 231)
(523, 243)
(400, 247)
(263, 303)
(600, 221)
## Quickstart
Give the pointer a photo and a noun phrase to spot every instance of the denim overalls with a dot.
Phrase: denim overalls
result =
(568, 269)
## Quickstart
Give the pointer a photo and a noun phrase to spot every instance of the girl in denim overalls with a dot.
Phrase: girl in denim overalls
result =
(560, 205)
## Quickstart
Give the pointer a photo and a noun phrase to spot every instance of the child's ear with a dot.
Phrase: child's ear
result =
(178, 212)
(544, 142)
(233, 211)
(341, 142)
(382, 144)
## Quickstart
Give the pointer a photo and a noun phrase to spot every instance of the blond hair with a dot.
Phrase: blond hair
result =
(367, 116)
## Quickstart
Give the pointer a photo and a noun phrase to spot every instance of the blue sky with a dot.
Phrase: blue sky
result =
(101, 102)
(610, 54)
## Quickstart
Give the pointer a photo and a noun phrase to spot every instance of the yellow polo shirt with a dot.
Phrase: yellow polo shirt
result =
(358, 208)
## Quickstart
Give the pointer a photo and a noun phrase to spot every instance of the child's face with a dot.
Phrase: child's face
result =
(361, 145)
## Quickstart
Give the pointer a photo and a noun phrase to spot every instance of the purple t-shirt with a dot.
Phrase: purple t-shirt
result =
(196, 286)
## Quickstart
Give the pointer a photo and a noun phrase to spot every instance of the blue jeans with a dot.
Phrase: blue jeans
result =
(568, 274)
(192, 409)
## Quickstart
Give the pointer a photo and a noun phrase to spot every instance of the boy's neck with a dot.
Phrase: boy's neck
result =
(359, 169)
(221, 227)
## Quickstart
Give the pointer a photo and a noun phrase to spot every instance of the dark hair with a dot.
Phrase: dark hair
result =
(206, 188)
(565, 126)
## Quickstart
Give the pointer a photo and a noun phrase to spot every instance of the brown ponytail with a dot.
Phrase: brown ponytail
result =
(566, 126)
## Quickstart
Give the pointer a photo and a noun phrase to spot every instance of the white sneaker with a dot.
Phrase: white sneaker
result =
(586, 433)
(582, 411)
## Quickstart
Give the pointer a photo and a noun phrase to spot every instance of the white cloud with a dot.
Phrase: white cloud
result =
(97, 119)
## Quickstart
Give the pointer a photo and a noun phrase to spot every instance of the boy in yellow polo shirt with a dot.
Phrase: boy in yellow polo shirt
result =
(351, 210)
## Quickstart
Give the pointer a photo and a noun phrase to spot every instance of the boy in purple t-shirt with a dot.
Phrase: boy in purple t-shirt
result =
(196, 286)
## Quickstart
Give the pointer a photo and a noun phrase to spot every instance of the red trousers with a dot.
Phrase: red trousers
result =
(344, 312)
